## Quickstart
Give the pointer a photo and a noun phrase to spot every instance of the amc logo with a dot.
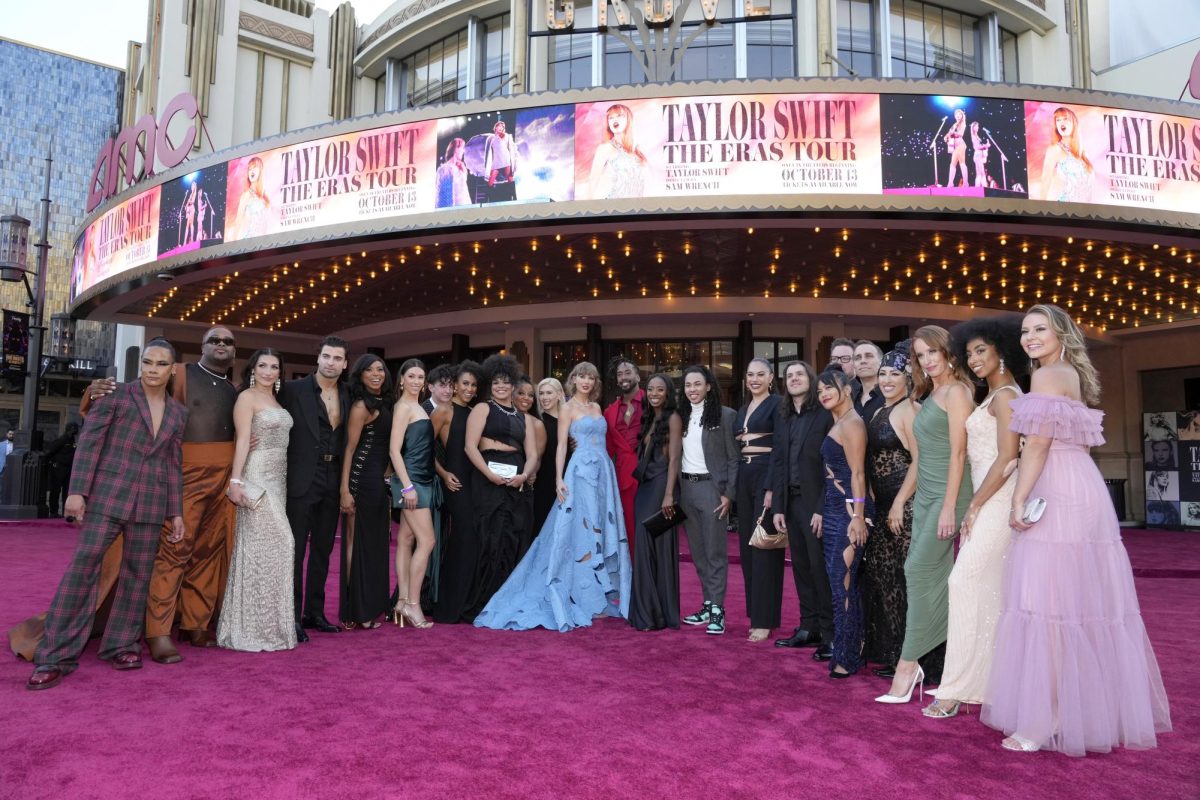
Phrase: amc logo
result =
(118, 165)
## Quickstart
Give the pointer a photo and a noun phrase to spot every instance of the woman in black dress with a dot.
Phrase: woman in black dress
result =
(893, 482)
(523, 399)
(460, 544)
(762, 570)
(365, 498)
(654, 596)
(499, 444)
(549, 403)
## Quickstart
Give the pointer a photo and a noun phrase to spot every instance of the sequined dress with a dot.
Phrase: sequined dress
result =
(626, 173)
(842, 559)
(258, 612)
(578, 567)
(978, 573)
(1075, 176)
(885, 601)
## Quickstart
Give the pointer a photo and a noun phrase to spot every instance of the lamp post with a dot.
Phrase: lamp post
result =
(23, 493)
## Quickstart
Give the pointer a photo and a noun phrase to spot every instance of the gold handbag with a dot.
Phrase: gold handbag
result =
(767, 541)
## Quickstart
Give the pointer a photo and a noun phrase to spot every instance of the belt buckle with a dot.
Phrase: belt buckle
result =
(749, 458)
(327, 457)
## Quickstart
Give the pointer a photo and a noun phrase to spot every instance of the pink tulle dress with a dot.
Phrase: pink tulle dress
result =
(1073, 669)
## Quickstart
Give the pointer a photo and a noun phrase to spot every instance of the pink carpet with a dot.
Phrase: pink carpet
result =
(603, 712)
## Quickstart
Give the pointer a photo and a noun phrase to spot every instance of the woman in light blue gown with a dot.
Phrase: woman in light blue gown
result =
(578, 567)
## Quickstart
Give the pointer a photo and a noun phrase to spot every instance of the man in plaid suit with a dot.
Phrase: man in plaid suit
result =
(127, 478)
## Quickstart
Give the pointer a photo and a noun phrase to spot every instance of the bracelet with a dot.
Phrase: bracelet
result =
(236, 482)
(856, 516)
(407, 489)
(859, 499)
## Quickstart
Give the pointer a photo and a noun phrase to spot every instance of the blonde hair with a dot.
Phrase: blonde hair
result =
(558, 389)
(935, 337)
(1074, 349)
(582, 369)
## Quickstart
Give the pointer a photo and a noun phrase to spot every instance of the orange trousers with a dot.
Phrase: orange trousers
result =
(189, 575)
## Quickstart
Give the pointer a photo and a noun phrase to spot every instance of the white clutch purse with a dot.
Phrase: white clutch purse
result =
(503, 470)
(1034, 508)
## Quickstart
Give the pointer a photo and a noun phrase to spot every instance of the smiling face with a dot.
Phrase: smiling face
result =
(374, 376)
(523, 399)
(931, 360)
(413, 381)
(695, 388)
(442, 391)
(548, 398)
(982, 358)
(1038, 339)
(502, 389)
(158, 365)
(584, 384)
(892, 383)
(266, 371)
(656, 393)
(628, 378)
(758, 378)
(830, 396)
(796, 380)
(466, 387)
(866, 362)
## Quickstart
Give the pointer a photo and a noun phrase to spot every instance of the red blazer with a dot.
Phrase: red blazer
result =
(622, 450)
(123, 471)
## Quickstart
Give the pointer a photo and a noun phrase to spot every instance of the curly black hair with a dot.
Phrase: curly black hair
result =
(498, 366)
(1002, 332)
(711, 418)
(662, 424)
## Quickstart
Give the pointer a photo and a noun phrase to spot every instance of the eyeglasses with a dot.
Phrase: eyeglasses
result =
(218, 340)
(841, 359)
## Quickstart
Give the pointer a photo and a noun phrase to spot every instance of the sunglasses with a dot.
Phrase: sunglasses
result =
(217, 340)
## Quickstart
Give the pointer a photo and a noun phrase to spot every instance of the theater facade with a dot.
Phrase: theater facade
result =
(678, 182)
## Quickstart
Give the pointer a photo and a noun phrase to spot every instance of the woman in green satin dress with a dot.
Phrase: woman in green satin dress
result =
(943, 492)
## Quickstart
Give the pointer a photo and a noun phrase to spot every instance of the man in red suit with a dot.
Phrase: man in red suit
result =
(127, 478)
(624, 418)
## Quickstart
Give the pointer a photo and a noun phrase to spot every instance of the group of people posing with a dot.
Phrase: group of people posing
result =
(523, 506)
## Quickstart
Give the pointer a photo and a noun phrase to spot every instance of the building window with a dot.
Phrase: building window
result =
(929, 41)
(857, 40)
(778, 354)
(770, 49)
(495, 34)
(1010, 71)
(570, 54)
(437, 74)
(561, 359)
(711, 55)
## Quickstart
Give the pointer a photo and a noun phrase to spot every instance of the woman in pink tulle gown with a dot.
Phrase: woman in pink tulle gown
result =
(1073, 669)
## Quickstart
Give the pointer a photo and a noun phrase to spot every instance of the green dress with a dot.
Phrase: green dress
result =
(930, 559)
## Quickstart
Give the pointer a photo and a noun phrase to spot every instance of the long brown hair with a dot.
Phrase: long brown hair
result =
(1074, 352)
(937, 338)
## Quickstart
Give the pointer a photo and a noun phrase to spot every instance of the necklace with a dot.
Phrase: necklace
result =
(514, 412)
(217, 377)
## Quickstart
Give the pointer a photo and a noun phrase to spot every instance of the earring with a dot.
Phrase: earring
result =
(1002, 366)
(278, 383)
(251, 378)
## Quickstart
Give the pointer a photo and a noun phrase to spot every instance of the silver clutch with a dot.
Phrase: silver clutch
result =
(1034, 508)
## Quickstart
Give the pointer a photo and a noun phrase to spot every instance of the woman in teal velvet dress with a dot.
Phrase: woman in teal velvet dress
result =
(578, 567)
(943, 494)
(412, 458)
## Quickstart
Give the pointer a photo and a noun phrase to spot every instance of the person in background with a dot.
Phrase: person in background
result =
(440, 383)
(624, 419)
(128, 479)
(524, 400)
(6, 447)
(549, 405)
(867, 397)
(708, 467)
(61, 455)
(1073, 668)
(841, 355)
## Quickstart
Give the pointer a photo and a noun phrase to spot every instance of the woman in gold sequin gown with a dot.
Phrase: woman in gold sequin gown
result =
(258, 613)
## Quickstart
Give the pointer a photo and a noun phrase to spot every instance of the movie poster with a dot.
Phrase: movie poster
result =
(16, 344)
(192, 211)
(480, 159)
(1090, 154)
(123, 237)
(728, 145)
(383, 172)
(960, 146)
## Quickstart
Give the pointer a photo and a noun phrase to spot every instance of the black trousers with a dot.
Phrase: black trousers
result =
(808, 570)
(314, 518)
(762, 570)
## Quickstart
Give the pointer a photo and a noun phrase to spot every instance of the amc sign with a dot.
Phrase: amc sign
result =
(118, 165)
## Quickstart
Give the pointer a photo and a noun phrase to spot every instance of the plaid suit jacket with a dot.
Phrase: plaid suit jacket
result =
(123, 471)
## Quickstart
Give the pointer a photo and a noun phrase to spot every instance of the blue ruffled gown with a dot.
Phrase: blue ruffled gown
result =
(578, 567)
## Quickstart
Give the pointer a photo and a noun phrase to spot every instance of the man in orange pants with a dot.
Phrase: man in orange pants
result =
(189, 575)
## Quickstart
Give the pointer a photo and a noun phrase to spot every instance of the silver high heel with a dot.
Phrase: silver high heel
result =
(1020, 744)
(917, 683)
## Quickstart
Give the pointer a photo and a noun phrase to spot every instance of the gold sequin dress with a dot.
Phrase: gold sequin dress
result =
(978, 574)
(258, 612)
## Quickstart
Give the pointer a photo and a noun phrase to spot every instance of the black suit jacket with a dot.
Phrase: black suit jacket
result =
(302, 399)
(807, 430)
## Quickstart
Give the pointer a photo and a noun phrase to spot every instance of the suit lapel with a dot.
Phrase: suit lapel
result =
(805, 423)
(312, 398)
(143, 407)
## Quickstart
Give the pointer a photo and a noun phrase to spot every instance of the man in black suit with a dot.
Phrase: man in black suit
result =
(797, 499)
(318, 405)
(440, 382)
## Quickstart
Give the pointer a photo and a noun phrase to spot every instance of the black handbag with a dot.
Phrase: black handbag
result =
(660, 523)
